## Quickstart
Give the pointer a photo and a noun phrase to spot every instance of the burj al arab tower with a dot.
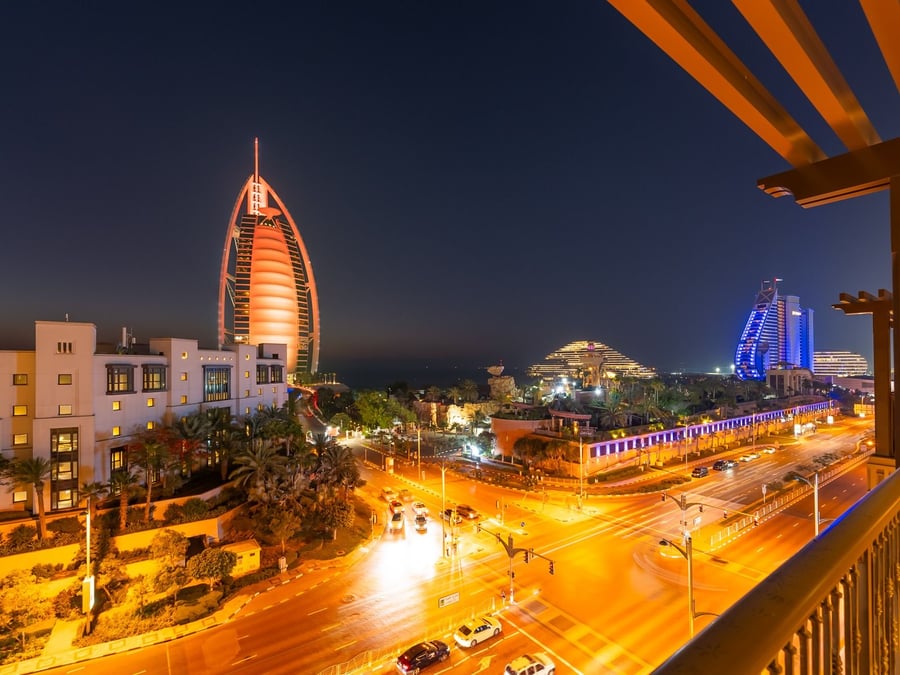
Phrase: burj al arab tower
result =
(267, 291)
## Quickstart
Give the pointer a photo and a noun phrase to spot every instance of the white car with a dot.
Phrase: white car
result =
(769, 451)
(396, 523)
(388, 494)
(420, 509)
(477, 630)
(530, 664)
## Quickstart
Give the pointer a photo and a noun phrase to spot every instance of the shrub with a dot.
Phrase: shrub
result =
(174, 514)
(22, 537)
(66, 526)
(67, 603)
(46, 570)
(195, 509)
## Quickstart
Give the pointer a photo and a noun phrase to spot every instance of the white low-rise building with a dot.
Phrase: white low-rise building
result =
(79, 404)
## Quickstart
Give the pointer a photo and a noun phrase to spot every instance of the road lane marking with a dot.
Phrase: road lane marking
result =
(344, 646)
(316, 611)
(246, 658)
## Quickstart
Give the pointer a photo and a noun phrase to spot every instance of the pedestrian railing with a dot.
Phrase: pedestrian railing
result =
(833, 608)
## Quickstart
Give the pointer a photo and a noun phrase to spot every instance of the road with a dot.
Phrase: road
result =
(616, 602)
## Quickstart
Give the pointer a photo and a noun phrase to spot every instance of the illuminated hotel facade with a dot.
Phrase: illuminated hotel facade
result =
(267, 291)
(778, 333)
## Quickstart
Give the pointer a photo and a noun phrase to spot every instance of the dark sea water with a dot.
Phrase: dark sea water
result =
(417, 374)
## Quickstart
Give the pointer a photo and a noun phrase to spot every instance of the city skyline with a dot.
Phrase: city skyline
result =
(475, 184)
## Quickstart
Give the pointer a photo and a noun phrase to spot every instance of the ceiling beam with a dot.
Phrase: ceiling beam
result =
(787, 32)
(682, 34)
(884, 18)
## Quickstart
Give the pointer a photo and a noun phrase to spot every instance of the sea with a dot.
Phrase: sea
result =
(418, 375)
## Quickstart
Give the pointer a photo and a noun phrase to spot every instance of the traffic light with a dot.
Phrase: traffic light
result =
(724, 514)
(478, 528)
(701, 508)
(755, 521)
(526, 556)
(663, 496)
(551, 567)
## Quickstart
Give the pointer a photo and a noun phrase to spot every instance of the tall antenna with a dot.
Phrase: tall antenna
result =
(256, 160)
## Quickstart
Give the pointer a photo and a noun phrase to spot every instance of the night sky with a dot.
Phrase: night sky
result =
(476, 181)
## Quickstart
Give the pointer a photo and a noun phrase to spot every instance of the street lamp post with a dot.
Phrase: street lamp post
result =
(419, 449)
(581, 469)
(87, 586)
(815, 486)
(443, 508)
(688, 553)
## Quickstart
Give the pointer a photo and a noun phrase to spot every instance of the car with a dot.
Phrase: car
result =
(769, 450)
(452, 516)
(396, 522)
(477, 630)
(420, 509)
(388, 494)
(396, 507)
(466, 511)
(405, 495)
(724, 464)
(537, 663)
(422, 655)
(749, 457)
(421, 523)
(700, 471)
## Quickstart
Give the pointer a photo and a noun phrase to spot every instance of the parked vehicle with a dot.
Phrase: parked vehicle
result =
(700, 471)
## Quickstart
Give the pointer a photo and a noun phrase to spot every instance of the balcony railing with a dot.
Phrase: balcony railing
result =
(833, 608)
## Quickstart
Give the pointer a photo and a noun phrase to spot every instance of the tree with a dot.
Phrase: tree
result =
(169, 547)
(469, 391)
(433, 393)
(21, 603)
(284, 523)
(191, 433)
(152, 457)
(123, 483)
(336, 513)
(338, 467)
(212, 564)
(32, 473)
(92, 493)
(454, 393)
(257, 469)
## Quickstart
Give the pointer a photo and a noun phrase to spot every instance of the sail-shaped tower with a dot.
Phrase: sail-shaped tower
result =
(267, 291)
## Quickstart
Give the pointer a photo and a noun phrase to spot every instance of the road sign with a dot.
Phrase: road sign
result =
(448, 600)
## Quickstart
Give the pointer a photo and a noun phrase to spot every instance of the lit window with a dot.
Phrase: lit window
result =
(154, 377)
(151, 402)
(65, 409)
(184, 377)
(183, 355)
(246, 393)
(246, 357)
(117, 431)
(183, 400)
(259, 392)
(64, 378)
(247, 410)
(150, 426)
(19, 497)
(117, 405)
(246, 373)
(20, 410)
(20, 439)
(19, 379)
(274, 390)
(119, 378)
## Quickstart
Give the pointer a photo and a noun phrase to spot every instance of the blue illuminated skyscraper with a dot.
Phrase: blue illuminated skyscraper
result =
(778, 334)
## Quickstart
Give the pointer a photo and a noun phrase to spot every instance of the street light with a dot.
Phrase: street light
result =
(815, 486)
(688, 554)
(419, 449)
(87, 586)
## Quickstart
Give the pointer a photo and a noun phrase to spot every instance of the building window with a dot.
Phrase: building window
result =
(246, 393)
(184, 377)
(183, 400)
(20, 439)
(259, 392)
(64, 348)
(247, 410)
(65, 409)
(116, 459)
(246, 374)
(20, 410)
(262, 374)
(63, 468)
(151, 402)
(154, 377)
(117, 405)
(64, 378)
(117, 431)
(19, 497)
(119, 379)
(184, 355)
(151, 425)
(20, 379)
(276, 374)
(216, 383)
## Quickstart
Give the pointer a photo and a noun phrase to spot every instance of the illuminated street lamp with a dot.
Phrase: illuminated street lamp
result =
(87, 586)
(688, 553)
(815, 486)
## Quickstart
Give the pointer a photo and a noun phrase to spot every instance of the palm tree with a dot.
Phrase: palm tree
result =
(433, 393)
(32, 473)
(191, 432)
(469, 391)
(123, 483)
(337, 466)
(257, 468)
(93, 493)
(152, 457)
(454, 393)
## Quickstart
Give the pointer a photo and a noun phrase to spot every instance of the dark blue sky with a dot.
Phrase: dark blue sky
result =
(475, 181)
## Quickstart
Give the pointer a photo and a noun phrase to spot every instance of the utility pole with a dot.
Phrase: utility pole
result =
(511, 552)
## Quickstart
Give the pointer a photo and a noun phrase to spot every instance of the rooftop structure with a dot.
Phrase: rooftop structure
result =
(267, 292)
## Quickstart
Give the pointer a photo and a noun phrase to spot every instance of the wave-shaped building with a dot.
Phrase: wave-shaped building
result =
(778, 334)
(589, 361)
(267, 291)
